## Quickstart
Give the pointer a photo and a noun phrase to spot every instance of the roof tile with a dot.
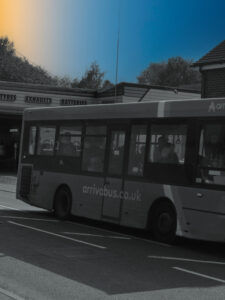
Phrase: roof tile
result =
(216, 55)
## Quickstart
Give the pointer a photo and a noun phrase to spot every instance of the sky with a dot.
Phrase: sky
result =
(66, 36)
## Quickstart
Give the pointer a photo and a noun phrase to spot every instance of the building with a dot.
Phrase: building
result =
(15, 97)
(133, 92)
(212, 68)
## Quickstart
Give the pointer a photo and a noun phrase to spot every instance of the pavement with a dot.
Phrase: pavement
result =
(8, 182)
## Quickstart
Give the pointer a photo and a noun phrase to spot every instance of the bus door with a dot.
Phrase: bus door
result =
(113, 184)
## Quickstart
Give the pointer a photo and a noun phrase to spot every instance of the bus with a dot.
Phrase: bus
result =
(158, 166)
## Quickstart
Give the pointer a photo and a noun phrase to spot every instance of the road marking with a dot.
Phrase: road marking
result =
(98, 235)
(125, 235)
(199, 274)
(58, 235)
(32, 219)
(7, 191)
(9, 207)
(11, 295)
(187, 259)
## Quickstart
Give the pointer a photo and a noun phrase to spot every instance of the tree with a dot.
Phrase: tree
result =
(92, 78)
(107, 84)
(18, 69)
(175, 72)
(75, 83)
(64, 82)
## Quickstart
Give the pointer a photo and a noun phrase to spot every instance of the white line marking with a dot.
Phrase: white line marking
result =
(9, 207)
(199, 274)
(11, 295)
(125, 235)
(32, 219)
(119, 237)
(7, 191)
(187, 259)
(57, 235)
(98, 235)
(90, 226)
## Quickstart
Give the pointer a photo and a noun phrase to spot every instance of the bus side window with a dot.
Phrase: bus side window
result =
(211, 154)
(32, 140)
(137, 150)
(167, 143)
(116, 153)
(94, 149)
(69, 143)
(46, 140)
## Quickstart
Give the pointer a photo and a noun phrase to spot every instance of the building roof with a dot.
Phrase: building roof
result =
(46, 89)
(137, 89)
(214, 56)
(123, 88)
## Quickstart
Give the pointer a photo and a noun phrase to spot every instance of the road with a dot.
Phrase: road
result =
(44, 258)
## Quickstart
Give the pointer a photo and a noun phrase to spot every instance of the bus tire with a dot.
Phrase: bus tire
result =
(164, 222)
(62, 203)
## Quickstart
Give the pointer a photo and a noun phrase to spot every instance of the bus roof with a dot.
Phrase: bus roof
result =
(170, 108)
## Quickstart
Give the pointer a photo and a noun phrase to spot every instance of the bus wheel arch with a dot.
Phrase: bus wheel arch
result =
(62, 202)
(162, 220)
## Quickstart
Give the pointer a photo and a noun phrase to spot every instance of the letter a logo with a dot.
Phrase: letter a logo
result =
(212, 107)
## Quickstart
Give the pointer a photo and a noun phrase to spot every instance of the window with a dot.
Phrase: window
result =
(211, 155)
(32, 140)
(167, 144)
(116, 154)
(94, 149)
(46, 140)
(69, 143)
(137, 150)
(96, 130)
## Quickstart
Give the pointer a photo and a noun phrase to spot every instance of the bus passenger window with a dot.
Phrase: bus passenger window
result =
(94, 149)
(46, 140)
(167, 144)
(32, 140)
(116, 154)
(69, 143)
(211, 155)
(137, 150)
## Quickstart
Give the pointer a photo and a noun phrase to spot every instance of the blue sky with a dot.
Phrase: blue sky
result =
(66, 36)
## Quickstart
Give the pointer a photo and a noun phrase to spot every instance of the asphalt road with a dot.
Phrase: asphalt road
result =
(43, 258)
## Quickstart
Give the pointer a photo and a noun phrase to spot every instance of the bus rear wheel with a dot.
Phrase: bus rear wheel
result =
(164, 222)
(62, 203)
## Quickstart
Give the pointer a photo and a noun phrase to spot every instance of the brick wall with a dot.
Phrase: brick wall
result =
(213, 83)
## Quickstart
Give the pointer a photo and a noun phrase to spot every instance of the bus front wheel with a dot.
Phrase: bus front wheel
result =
(62, 203)
(164, 222)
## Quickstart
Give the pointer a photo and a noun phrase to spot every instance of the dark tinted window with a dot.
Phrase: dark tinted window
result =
(94, 149)
(46, 140)
(116, 154)
(167, 143)
(69, 143)
(211, 158)
(137, 150)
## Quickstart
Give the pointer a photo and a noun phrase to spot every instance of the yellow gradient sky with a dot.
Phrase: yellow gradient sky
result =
(33, 27)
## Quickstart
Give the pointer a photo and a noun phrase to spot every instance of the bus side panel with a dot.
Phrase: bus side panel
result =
(43, 188)
(204, 212)
(141, 197)
(138, 197)
(86, 199)
(87, 196)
